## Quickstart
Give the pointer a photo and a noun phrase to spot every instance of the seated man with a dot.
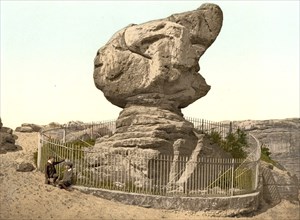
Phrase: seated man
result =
(67, 178)
(50, 171)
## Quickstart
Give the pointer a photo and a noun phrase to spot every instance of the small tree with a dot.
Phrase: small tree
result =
(265, 155)
(234, 143)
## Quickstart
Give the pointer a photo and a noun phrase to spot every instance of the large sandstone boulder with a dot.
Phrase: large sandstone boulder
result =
(156, 63)
(151, 70)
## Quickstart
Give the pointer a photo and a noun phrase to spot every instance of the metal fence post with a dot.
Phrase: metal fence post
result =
(230, 127)
(64, 135)
(256, 174)
(39, 156)
(92, 131)
(232, 175)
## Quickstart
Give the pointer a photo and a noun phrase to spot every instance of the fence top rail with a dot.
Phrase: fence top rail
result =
(76, 124)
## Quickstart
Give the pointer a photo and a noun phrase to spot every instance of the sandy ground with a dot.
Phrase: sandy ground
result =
(25, 196)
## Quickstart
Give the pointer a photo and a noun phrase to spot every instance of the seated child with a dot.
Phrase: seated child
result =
(67, 178)
(50, 171)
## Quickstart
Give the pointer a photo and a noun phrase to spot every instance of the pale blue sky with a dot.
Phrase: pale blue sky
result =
(48, 48)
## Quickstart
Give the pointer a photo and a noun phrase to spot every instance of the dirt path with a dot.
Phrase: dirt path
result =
(25, 196)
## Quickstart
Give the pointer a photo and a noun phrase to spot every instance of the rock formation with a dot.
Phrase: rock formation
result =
(7, 139)
(25, 167)
(27, 127)
(151, 70)
(278, 184)
(281, 136)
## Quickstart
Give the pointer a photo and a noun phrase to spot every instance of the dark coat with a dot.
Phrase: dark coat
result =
(68, 175)
(50, 169)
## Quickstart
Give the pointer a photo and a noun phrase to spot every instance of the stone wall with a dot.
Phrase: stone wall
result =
(220, 206)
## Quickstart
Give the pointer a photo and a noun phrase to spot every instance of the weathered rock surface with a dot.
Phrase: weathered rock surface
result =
(156, 63)
(278, 184)
(7, 139)
(281, 136)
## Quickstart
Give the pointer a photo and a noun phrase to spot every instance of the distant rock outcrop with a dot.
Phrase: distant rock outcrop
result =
(281, 136)
(7, 139)
(27, 127)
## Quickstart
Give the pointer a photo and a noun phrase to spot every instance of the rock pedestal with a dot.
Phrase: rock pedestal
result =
(151, 128)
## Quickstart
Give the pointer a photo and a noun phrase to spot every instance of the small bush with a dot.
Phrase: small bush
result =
(265, 155)
(215, 137)
(234, 143)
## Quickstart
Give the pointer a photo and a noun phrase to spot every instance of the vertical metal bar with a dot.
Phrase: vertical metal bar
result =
(147, 175)
(256, 174)
(220, 182)
(129, 172)
(88, 170)
(201, 173)
(150, 173)
(39, 151)
(96, 170)
(214, 175)
(227, 174)
(85, 173)
(113, 171)
(121, 166)
(76, 164)
(232, 176)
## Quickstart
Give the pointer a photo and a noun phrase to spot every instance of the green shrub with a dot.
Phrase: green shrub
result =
(215, 137)
(234, 143)
(265, 155)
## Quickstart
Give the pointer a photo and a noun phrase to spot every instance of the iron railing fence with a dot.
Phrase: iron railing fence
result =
(130, 171)
(206, 126)
(144, 173)
(80, 131)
